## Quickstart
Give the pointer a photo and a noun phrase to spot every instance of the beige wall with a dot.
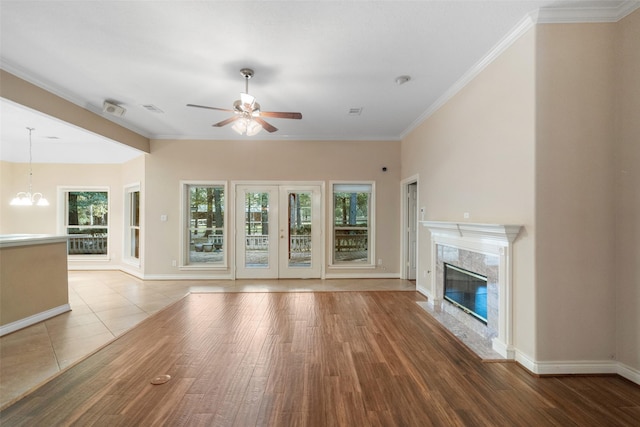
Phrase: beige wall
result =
(627, 182)
(255, 160)
(575, 111)
(172, 161)
(47, 179)
(475, 155)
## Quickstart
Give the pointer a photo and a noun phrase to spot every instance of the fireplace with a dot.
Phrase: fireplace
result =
(484, 250)
(466, 290)
(474, 272)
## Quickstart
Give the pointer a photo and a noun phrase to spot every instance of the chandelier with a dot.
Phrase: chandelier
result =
(28, 198)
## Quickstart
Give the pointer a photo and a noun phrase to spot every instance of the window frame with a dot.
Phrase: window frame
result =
(129, 190)
(370, 263)
(63, 219)
(185, 208)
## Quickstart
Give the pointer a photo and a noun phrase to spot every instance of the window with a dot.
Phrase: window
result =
(205, 225)
(352, 223)
(87, 222)
(132, 224)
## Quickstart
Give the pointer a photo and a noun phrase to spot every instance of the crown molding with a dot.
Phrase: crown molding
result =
(586, 14)
(516, 32)
(540, 16)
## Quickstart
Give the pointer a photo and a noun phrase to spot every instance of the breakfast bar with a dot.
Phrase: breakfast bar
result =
(33, 279)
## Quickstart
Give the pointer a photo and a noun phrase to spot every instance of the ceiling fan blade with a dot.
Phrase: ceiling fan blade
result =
(280, 115)
(210, 108)
(227, 121)
(266, 126)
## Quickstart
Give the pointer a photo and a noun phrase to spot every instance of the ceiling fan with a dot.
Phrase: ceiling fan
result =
(248, 118)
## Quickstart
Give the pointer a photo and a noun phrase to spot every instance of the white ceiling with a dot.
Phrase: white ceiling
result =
(321, 58)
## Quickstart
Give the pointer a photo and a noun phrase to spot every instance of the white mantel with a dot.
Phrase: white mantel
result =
(496, 233)
(494, 239)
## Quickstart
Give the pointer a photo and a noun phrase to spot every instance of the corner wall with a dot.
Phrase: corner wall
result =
(476, 155)
(627, 194)
(575, 204)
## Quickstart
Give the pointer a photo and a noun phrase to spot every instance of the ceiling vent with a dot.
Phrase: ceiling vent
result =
(355, 111)
(113, 109)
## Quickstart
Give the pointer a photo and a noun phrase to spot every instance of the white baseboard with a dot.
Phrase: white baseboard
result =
(502, 349)
(425, 292)
(629, 373)
(185, 277)
(578, 367)
(32, 320)
(92, 267)
(132, 271)
(362, 276)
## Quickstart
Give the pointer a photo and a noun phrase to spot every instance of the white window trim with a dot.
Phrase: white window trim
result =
(126, 258)
(184, 236)
(62, 219)
(372, 227)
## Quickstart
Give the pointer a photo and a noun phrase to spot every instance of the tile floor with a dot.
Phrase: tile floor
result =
(105, 304)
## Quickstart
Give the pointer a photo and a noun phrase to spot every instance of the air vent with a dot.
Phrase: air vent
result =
(113, 109)
(355, 111)
(153, 108)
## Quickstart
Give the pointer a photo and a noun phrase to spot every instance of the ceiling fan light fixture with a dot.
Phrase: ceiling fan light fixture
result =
(253, 128)
(246, 126)
(240, 126)
(247, 101)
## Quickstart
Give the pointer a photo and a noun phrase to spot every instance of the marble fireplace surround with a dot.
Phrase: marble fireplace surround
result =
(483, 240)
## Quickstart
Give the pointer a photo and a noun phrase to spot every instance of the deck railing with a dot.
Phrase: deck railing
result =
(87, 245)
(351, 240)
(260, 242)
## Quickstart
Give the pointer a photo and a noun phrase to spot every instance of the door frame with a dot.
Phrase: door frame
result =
(234, 226)
(404, 225)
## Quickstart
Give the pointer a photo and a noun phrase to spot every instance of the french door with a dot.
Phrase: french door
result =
(278, 231)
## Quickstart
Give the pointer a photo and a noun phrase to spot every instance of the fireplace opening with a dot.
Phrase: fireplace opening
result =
(466, 290)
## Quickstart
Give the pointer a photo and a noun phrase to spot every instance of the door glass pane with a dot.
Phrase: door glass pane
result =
(299, 229)
(256, 251)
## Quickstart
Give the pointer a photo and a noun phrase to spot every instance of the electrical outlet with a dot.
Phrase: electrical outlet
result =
(380, 261)
(466, 215)
(174, 263)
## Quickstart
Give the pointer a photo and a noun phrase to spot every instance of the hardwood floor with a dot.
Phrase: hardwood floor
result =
(314, 359)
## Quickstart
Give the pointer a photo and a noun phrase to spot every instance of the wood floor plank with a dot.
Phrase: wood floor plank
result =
(311, 359)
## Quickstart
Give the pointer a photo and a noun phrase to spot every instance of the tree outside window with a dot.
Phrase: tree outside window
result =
(206, 224)
(87, 214)
(351, 223)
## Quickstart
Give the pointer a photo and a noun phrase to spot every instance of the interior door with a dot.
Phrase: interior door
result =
(278, 231)
(412, 229)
